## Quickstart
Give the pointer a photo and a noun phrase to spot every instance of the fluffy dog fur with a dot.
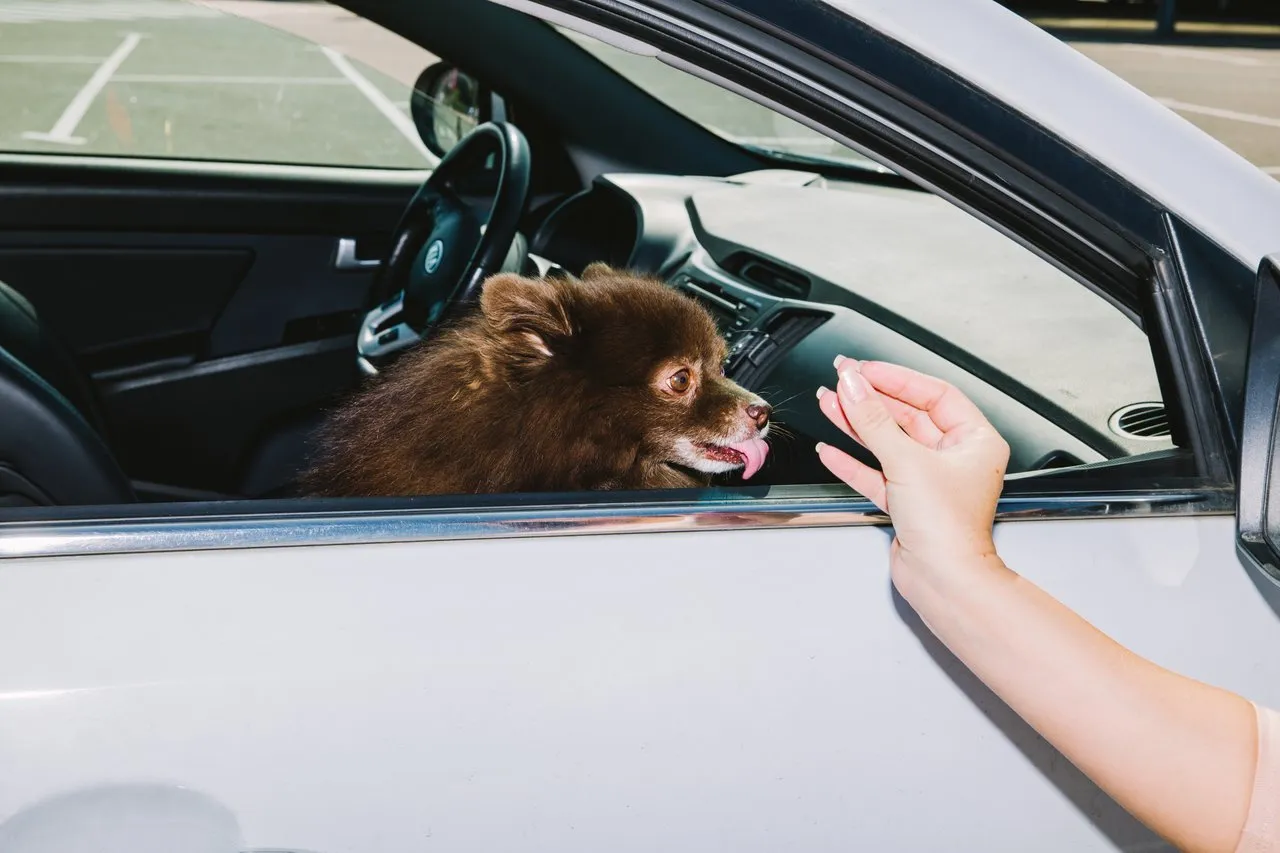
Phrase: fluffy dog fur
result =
(610, 381)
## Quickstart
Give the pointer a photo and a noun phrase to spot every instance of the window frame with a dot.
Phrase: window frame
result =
(1021, 204)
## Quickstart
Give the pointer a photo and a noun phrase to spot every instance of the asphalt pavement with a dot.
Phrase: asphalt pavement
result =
(168, 78)
(1228, 85)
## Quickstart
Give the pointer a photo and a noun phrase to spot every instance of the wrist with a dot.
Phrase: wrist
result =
(960, 605)
(948, 575)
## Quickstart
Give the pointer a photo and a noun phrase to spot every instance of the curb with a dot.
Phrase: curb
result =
(1148, 28)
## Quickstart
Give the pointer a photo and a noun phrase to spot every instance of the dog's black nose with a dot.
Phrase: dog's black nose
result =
(759, 412)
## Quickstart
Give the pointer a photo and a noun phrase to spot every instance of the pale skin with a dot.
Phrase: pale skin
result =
(1178, 754)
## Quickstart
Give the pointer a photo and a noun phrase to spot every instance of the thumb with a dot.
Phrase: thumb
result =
(867, 413)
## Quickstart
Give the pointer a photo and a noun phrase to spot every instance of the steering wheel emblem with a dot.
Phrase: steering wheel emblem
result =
(435, 254)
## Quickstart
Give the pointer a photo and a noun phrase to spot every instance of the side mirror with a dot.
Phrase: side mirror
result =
(447, 104)
(1258, 493)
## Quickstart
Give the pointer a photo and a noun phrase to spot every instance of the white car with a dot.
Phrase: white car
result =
(193, 657)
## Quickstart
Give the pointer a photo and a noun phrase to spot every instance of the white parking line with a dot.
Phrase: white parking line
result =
(1250, 118)
(1213, 55)
(51, 60)
(70, 119)
(384, 105)
(230, 80)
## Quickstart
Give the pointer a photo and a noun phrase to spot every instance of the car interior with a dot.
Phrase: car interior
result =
(175, 330)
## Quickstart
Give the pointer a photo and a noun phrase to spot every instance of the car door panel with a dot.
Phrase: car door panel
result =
(110, 301)
(110, 295)
(189, 423)
(739, 690)
(107, 220)
(205, 302)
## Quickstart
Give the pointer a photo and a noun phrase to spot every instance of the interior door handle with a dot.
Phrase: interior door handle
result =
(344, 258)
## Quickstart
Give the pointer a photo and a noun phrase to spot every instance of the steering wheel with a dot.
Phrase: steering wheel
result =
(442, 252)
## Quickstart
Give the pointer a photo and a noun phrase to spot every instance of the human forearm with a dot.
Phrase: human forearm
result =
(1177, 753)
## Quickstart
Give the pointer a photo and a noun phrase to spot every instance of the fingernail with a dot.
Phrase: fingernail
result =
(853, 362)
(823, 389)
(818, 447)
(854, 385)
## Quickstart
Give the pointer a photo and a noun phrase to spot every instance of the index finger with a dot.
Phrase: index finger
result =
(946, 404)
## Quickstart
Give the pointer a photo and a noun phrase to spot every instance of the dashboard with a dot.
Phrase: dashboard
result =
(796, 270)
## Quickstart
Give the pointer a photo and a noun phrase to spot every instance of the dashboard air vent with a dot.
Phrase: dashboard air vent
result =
(1144, 421)
(768, 276)
(755, 354)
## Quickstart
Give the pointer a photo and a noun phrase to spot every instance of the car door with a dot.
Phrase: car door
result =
(723, 670)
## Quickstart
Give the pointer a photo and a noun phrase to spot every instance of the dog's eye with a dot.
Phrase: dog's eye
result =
(679, 381)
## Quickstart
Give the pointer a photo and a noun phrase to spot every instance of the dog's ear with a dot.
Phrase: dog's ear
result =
(533, 311)
(598, 269)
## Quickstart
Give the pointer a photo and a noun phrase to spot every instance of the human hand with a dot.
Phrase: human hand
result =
(943, 463)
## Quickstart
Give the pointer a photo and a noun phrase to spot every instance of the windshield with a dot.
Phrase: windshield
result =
(732, 116)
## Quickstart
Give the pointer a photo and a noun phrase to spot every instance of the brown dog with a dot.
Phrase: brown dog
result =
(608, 382)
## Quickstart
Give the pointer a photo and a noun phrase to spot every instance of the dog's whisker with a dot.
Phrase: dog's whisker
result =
(788, 400)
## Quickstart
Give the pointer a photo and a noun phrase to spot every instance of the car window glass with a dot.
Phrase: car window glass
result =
(304, 83)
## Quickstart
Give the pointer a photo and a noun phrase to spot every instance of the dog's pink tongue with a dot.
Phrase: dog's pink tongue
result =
(755, 450)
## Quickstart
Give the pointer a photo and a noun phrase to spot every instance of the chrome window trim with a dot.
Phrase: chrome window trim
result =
(161, 533)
